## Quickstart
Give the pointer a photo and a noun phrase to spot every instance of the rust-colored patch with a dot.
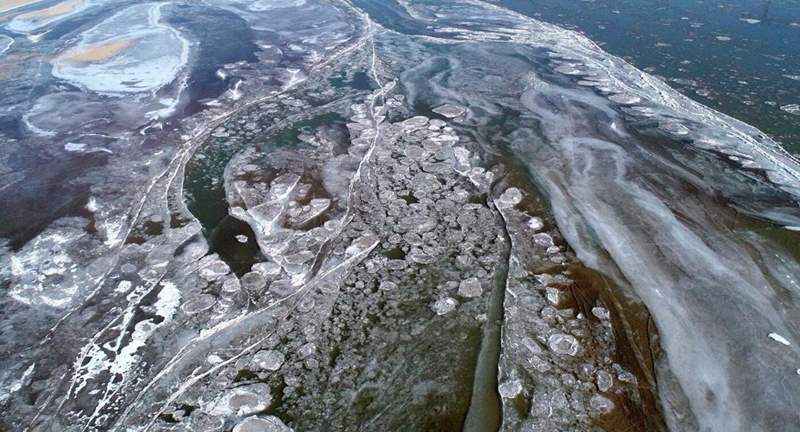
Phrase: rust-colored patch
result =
(97, 52)
(53, 11)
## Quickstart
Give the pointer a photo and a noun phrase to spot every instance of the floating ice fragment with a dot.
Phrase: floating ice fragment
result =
(563, 344)
(387, 286)
(241, 238)
(601, 403)
(308, 349)
(415, 123)
(625, 99)
(450, 111)
(543, 239)
(243, 400)
(509, 198)
(791, 109)
(553, 295)
(201, 303)
(600, 312)
(270, 360)
(5, 43)
(444, 306)
(470, 288)
(750, 20)
(253, 281)
(262, 424)
(510, 389)
(780, 339)
(604, 381)
(535, 223)
(268, 269)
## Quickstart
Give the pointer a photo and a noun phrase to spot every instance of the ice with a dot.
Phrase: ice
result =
(510, 198)
(253, 281)
(198, 304)
(5, 43)
(262, 424)
(242, 401)
(444, 306)
(791, 109)
(604, 381)
(132, 51)
(450, 111)
(510, 389)
(600, 312)
(563, 344)
(780, 339)
(601, 404)
(470, 288)
(535, 224)
(270, 360)
(30, 22)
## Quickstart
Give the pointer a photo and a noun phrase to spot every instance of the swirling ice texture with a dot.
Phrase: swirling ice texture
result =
(5, 44)
(133, 51)
(30, 22)
(713, 301)
(634, 172)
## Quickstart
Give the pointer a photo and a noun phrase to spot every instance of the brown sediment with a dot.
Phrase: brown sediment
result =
(635, 335)
(53, 11)
(636, 343)
(97, 52)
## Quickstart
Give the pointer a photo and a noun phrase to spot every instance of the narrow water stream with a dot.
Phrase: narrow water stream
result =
(485, 412)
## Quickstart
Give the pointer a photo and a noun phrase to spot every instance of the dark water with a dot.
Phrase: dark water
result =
(686, 42)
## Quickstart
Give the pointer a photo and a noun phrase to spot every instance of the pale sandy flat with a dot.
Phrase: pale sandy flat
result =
(7, 5)
(98, 52)
(53, 11)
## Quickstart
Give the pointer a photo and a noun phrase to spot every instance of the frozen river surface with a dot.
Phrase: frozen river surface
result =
(379, 215)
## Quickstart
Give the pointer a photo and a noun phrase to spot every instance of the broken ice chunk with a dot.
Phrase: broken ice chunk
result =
(362, 244)
(201, 303)
(415, 123)
(444, 306)
(544, 240)
(535, 223)
(269, 360)
(553, 295)
(470, 288)
(449, 110)
(601, 404)
(243, 400)
(563, 344)
(604, 381)
(510, 389)
(262, 424)
(600, 312)
(780, 339)
(253, 281)
(268, 269)
(214, 270)
(509, 198)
